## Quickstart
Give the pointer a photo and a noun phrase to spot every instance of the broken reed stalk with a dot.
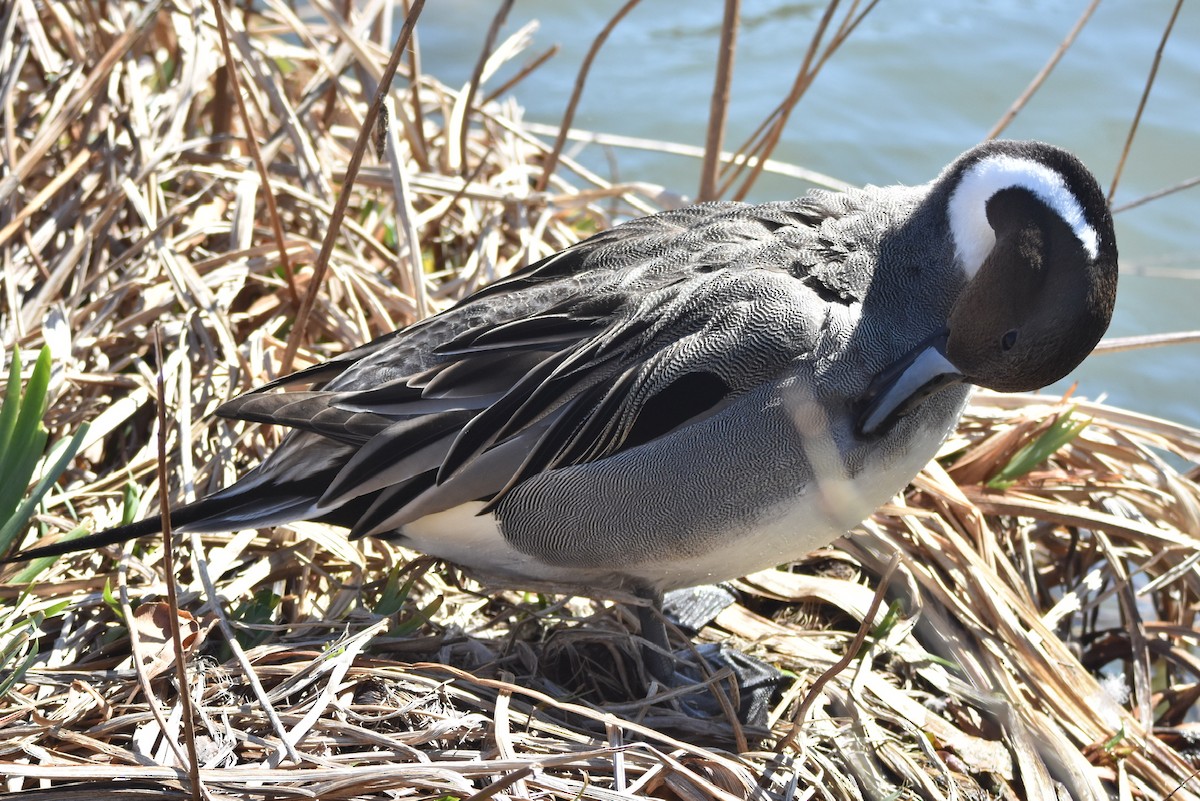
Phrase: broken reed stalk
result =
(1044, 72)
(251, 140)
(169, 569)
(343, 200)
(521, 74)
(1137, 115)
(751, 150)
(853, 650)
(485, 52)
(714, 141)
(757, 149)
(1170, 190)
(577, 92)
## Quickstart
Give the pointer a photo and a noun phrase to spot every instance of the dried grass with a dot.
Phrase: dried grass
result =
(1045, 637)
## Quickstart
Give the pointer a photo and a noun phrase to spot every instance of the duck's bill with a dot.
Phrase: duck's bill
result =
(902, 386)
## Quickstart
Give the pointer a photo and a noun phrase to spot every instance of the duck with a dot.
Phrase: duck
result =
(691, 396)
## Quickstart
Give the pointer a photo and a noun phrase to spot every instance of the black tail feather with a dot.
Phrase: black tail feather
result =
(151, 525)
(183, 516)
(192, 515)
(242, 505)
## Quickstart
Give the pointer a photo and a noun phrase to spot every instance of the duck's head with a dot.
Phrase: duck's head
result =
(1033, 234)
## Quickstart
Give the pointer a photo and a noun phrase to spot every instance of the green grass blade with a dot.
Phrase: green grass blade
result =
(12, 403)
(16, 652)
(1061, 432)
(129, 503)
(33, 404)
(26, 437)
(16, 674)
(18, 468)
(62, 454)
(420, 618)
(394, 595)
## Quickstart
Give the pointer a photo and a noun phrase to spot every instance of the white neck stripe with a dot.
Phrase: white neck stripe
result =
(974, 237)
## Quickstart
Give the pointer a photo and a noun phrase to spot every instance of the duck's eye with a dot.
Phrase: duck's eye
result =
(1009, 339)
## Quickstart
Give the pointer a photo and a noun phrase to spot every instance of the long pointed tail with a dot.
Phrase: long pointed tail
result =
(237, 507)
(100, 539)
(142, 528)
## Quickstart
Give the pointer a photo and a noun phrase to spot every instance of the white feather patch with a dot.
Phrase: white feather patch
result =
(974, 237)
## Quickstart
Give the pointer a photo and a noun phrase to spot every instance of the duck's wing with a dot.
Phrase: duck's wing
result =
(606, 346)
(626, 337)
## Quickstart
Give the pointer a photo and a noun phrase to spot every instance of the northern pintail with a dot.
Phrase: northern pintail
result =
(693, 395)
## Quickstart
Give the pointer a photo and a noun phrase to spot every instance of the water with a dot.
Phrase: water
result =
(915, 85)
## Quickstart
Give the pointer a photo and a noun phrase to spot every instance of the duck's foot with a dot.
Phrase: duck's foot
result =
(756, 684)
(693, 608)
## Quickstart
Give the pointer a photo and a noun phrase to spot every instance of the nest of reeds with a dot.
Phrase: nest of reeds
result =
(1032, 637)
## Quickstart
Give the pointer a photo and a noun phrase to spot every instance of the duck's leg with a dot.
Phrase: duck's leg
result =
(656, 652)
(692, 609)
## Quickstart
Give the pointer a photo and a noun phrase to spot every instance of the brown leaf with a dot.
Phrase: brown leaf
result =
(153, 622)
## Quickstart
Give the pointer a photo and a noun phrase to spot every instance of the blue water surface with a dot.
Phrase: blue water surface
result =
(914, 85)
